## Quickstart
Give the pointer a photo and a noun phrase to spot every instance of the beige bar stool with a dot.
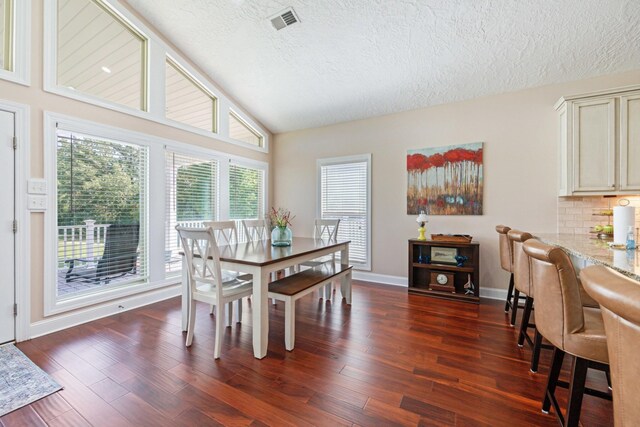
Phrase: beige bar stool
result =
(570, 327)
(619, 299)
(506, 262)
(522, 284)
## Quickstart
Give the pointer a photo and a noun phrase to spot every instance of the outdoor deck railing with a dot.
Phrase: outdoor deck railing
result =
(80, 241)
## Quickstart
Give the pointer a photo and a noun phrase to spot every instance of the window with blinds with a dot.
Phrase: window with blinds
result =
(6, 24)
(191, 198)
(246, 192)
(100, 54)
(344, 194)
(187, 101)
(102, 193)
(241, 131)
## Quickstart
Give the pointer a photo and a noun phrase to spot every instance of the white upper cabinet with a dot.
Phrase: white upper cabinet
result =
(630, 142)
(600, 143)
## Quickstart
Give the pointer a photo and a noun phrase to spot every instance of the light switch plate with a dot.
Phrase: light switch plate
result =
(37, 186)
(37, 203)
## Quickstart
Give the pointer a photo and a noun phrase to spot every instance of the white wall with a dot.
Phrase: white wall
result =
(520, 168)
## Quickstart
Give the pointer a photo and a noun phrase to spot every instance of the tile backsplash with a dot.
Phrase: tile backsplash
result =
(575, 214)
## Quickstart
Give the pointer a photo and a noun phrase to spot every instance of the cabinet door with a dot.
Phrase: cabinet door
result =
(594, 148)
(630, 142)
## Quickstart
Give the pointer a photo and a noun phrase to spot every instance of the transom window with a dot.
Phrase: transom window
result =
(99, 54)
(187, 101)
(101, 213)
(6, 42)
(241, 131)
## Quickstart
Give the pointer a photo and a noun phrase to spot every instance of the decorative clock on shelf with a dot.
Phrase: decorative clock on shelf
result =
(442, 281)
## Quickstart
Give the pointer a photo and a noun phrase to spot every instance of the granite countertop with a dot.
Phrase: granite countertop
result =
(597, 251)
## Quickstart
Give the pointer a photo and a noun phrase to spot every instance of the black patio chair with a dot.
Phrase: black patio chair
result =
(119, 258)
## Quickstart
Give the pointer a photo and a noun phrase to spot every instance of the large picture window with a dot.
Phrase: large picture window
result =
(99, 54)
(186, 100)
(345, 194)
(101, 214)
(192, 197)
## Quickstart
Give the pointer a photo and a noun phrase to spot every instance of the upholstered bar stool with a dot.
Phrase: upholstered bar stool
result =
(506, 262)
(522, 284)
(570, 327)
(619, 299)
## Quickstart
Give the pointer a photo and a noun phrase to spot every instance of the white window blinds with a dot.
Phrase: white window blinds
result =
(246, 192)
(344, 195)
(191, 198)
(101, 213)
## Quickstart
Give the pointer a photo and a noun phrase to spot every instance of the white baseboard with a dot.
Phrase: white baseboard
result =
(489, 293)
(380, 278)
(78, 317)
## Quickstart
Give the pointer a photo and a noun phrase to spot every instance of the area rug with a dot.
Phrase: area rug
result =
(21, 381)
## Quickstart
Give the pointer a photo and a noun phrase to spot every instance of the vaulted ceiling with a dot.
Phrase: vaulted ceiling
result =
(353, 59)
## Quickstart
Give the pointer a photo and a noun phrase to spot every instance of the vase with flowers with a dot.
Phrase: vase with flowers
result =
(281, 234)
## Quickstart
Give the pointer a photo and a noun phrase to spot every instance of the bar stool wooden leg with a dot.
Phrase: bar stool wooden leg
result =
(514, 307)
(576, 391)
(524, 322)
(552, 382)
(508, 304)
(535, 357)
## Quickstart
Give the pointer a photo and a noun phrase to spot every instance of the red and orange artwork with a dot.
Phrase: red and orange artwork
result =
(445, 180)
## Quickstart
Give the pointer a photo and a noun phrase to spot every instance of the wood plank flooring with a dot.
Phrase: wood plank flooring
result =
(389, 359)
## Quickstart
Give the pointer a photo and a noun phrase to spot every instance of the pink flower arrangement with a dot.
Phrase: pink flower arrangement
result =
(280, 217)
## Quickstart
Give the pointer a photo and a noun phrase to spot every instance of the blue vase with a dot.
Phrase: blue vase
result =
(281, 236)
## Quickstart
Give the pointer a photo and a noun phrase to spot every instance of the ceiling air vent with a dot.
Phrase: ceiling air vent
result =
(284, 19)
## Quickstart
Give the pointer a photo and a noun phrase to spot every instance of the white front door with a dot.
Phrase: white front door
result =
(7, 236)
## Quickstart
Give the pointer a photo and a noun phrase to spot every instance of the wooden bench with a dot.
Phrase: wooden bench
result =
(291, 288)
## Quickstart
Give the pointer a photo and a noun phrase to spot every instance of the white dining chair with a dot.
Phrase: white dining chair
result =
(327, 230)
(255, 229)
(205, 280)
(226, 233)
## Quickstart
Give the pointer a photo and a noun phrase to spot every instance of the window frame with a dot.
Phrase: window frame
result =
(53, 304)
(51, 60)
(156, 203)
(157, 52)
(359, 158)
(21, 44)
(249, 127)
(198, 84)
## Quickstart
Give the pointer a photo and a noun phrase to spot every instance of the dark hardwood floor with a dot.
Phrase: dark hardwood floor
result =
(389, 359)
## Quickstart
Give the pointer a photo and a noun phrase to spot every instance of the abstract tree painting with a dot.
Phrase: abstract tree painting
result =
(445, 180)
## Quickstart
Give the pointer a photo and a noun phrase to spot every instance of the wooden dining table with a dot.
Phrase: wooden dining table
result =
(261, 259)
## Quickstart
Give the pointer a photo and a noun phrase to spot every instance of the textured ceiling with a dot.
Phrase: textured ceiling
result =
(352, 59)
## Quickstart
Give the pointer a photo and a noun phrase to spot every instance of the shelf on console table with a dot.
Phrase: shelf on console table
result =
(420, 273)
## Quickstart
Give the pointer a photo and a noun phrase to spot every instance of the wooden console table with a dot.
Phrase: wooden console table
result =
(425, 270)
